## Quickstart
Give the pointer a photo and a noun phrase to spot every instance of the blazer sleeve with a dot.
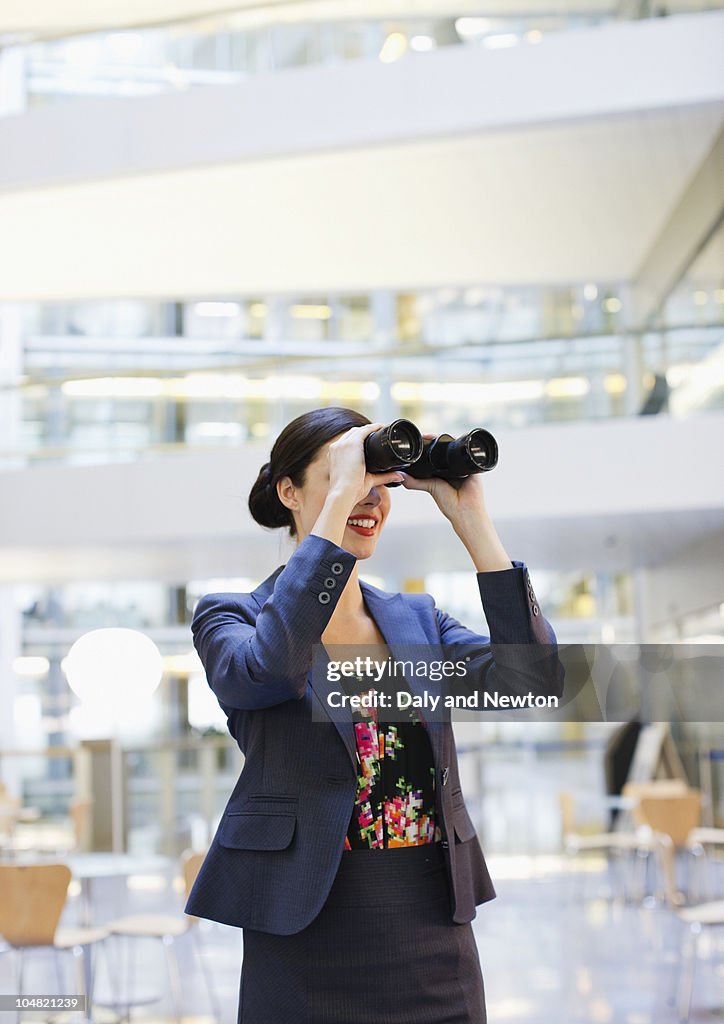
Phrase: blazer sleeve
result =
(520, 656)
(255, 658)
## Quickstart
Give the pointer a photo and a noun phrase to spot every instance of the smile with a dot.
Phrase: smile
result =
(362, 524)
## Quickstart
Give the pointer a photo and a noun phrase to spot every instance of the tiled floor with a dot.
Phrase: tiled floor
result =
(555, 949)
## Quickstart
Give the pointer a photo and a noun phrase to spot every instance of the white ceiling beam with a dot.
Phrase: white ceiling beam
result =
(561, 204)
(48, 18)
(617, 70)
(377, 203)
(689, 228)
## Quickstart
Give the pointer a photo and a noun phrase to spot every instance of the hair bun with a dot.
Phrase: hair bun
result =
(264, 503)
(292, 453)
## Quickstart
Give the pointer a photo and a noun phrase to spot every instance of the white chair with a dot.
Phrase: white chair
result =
(697, 918)
(700, 844)
(166, 928)
(632, 846)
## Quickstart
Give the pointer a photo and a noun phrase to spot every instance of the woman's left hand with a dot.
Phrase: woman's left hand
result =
(463, 505)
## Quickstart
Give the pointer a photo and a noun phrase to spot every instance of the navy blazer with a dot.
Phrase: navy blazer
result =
(276, 852)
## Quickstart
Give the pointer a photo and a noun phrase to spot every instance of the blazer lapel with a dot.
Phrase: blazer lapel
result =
(322, 687)
(403, 633)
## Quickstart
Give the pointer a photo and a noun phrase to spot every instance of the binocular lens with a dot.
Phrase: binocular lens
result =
(481, 448)
(403, 441)
(396, 445)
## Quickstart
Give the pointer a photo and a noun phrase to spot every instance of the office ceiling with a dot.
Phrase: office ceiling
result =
(578, 202)
(43, 18)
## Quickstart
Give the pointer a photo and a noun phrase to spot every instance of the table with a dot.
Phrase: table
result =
(87, 867)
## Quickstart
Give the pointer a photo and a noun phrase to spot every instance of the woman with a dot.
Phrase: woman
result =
(345, 852)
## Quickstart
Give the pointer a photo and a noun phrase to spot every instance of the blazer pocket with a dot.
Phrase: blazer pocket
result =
(462, 823)
(272, 798)
(257, 830)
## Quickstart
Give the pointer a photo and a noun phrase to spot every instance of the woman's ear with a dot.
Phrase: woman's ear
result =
(288, 493)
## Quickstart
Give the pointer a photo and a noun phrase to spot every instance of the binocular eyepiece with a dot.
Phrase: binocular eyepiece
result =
(401, 446)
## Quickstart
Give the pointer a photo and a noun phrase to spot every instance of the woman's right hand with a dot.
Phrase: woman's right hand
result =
(349, 480)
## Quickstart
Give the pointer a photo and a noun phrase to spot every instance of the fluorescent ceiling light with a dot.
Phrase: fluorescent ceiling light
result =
(472, 28)
(501, 42)
(394, 47)
(113, 387)
(422, 44)
(227, 385)
(567, 387)
(303, 311)
(351, 390)
(461, 393)
(614, 384)
(474, 296)
(217, 309)
(195, 385)
(182, 664)
(212, 429)
(31, 666)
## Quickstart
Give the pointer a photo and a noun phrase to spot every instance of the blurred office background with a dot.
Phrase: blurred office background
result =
(215, 216)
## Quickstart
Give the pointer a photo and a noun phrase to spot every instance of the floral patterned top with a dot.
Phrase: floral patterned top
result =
(395, 799)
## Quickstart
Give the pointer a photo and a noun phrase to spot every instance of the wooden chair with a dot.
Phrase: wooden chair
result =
(696, 918)
(32, 898)
(658, 787)
(167, 928)
(674, 816)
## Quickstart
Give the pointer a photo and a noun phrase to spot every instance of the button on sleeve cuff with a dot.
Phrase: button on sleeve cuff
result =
(510, 604)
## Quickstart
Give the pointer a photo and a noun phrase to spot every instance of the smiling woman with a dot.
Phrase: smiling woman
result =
(309, 463)
(345, 852)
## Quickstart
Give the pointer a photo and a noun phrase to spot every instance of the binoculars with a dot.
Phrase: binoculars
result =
(401, 446)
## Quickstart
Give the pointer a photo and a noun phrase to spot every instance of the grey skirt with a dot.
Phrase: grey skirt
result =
(383, 948)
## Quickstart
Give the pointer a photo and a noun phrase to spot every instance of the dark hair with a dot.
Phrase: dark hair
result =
(293, 450)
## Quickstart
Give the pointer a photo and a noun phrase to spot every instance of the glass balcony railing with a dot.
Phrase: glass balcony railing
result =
(106, 382)
(229, 47)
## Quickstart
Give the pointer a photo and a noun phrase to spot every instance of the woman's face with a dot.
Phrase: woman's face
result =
(365, 521)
